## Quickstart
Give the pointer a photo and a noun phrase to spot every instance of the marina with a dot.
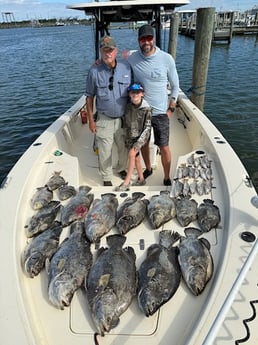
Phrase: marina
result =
(226, 24)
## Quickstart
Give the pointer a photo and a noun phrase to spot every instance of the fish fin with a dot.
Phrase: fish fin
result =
(137, 195)
(115, 323)
(100, 251)
(192, 232)
(107, 195)
(205, 242)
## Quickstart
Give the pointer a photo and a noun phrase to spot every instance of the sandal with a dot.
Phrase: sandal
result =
(139, 183)
(122, 188)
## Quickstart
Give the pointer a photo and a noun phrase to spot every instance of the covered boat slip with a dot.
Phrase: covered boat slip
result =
(66, 146)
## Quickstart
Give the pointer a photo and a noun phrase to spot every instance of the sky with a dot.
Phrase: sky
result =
(47, 9)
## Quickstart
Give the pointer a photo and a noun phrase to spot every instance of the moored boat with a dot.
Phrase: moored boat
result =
(224, 313)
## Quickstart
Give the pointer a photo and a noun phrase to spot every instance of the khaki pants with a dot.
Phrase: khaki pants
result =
(109, 132)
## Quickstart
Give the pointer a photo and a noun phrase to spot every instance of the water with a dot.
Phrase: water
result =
(43, 70)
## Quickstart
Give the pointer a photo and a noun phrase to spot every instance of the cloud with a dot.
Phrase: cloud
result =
(34, 9)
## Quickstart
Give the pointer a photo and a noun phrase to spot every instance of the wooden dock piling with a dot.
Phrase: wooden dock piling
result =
(203, 39)
(173, 34)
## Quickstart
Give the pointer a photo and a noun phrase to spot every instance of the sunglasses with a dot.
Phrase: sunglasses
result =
(146, 38)
(111, 81)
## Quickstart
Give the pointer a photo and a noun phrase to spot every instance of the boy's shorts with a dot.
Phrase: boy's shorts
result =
(160, 124)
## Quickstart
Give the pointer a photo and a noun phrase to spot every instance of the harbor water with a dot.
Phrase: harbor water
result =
(43, 71)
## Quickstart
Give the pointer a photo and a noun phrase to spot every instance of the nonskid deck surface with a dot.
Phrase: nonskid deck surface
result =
(76, 319)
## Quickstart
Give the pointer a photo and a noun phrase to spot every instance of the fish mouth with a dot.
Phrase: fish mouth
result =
(146, 303)
(60, 294)
(104, 325)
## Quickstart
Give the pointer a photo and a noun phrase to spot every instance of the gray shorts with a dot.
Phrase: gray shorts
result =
(160, 124)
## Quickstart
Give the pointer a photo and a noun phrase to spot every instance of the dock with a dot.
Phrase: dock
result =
(226, 24)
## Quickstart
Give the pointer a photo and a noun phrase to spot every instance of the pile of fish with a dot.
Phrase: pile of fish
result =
(193, 176)
(111, 280)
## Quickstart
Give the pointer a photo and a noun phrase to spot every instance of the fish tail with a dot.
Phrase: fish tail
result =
(167, 238)
(116, 240)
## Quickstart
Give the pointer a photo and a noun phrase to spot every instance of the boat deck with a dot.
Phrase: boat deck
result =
(79, 166)
(186, 319)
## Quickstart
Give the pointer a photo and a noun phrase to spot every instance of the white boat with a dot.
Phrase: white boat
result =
(224, 314)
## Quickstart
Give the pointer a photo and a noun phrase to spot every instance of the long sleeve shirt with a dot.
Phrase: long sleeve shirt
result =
(137, 124)
(154, 72)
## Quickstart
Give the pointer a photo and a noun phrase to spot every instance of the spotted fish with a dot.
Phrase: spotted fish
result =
(55, 181)
(186, 210)
(41, 248)
(111, 283)
(159, 274)
(69, 267)
(208, 215)
(77, 207)
(102, 217)
(195, 260)
(131, 212)
(161, 209)
(41, 198)
(43, 218)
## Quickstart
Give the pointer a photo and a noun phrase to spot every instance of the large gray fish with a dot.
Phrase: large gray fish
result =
(161, 209)
(55, 181)
(186, 210)
(41, 248)
(77, 207)
(41, 198)
(159, 274)
(69, 266)
(43, 219)
(111, 283)
(208, 215)
(101, 217)
(65, 192)
(131, 212)
(195, 260)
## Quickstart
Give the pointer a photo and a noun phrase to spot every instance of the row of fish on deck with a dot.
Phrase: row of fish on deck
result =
(111, 280)
(193, 176)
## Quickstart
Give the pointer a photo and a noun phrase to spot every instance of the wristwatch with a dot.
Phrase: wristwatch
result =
(172, 109)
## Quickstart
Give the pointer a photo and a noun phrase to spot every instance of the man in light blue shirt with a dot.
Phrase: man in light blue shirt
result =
(154, 68)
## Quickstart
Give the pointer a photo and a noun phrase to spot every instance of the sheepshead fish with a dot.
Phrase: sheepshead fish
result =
(131, 212)
(41, 198)
(68, 267)
(178, 187)
(41, 248)
(159, 274)
(195, 260)
(65, 192)
(55, 181)
(43, 219)
(77, 207)
(111, 283)
(101, 217)
(186, 210)
(161, 209)
(208, 215)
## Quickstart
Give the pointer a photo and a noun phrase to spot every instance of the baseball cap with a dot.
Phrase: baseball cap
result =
(135, 87)
(145, 30)
(107, 42)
